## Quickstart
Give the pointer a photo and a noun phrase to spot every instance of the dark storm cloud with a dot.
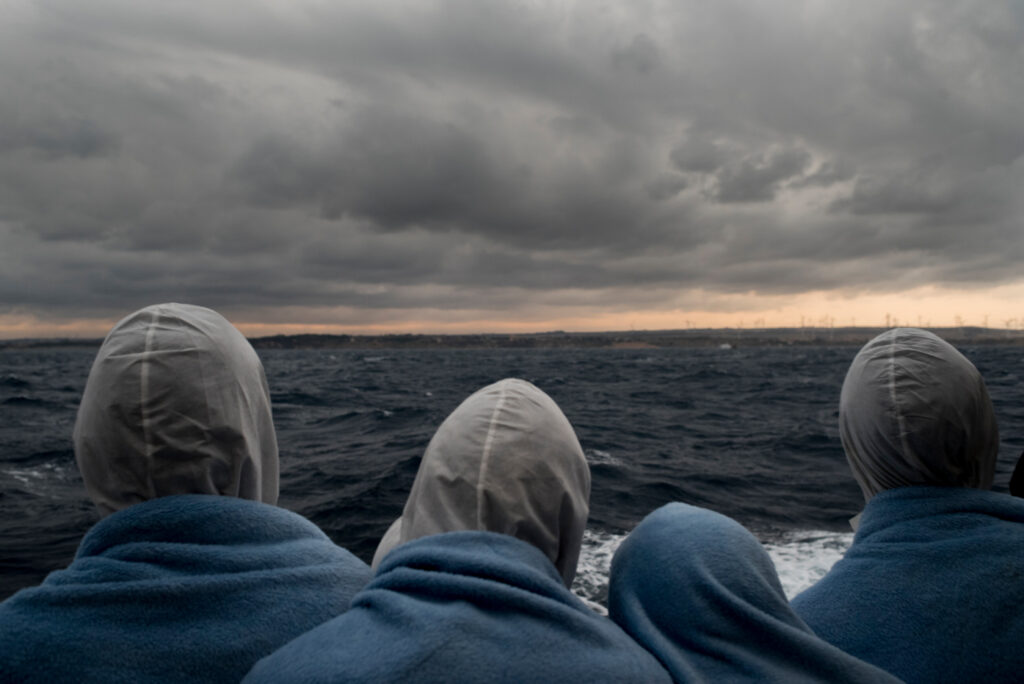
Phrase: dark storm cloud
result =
(498, 156)
(398, 171)
(666, 186)
(56, 138)
(758, 178)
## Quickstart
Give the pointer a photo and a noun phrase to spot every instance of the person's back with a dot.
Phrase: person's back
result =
(699, 592)
(472, 580)
(931, 587)
(193, 574)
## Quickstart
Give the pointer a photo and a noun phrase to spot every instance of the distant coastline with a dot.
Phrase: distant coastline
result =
(632, 339)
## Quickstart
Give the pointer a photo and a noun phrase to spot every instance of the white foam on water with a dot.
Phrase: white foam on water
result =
(38, 480)
(591, 583)
(801, 558)
(598, 456)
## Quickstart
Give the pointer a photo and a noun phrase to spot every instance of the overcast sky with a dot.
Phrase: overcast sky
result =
(478, 165)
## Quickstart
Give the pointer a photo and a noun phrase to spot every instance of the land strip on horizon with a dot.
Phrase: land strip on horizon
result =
(631, 339)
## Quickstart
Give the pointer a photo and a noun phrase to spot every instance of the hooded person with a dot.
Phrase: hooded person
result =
(931, 587)
(472, 581)
(698, 590)
(193, 574)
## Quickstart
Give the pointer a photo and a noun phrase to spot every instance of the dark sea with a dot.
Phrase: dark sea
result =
(750, 432)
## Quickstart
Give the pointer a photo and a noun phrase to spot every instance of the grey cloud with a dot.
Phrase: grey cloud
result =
(379, 155)
(576, 127)
(399, 172)
(666, 186)
(56, 138)
(758, 178)
(698, 155)
(641, 55)
(826, 174)
(896, 195)
(932, 209)
(470, 266)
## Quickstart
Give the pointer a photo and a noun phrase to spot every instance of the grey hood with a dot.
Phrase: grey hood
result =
(176, 403)
(914, 411)
(507, 461)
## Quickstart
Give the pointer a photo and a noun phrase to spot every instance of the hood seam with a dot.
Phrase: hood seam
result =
(900, 423)
(485, 457)
(143, 401)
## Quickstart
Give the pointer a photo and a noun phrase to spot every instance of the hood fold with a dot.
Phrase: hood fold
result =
(176, 403)
(915, 411)
(508, 461)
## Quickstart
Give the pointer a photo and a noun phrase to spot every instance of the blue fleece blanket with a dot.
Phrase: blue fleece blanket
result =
(178, 589)
(463, 607)
(932, 588)
(699, 592)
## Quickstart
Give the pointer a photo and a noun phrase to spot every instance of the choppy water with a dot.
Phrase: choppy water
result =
(749, 432)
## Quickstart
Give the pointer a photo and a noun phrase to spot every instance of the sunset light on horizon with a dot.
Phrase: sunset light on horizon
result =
(1001, 308)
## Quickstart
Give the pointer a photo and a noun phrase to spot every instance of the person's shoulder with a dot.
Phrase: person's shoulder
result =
(1017, 479)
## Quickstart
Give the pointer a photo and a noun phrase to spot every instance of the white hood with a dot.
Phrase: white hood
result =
(914, 411)
(176, 403)
(507, 461)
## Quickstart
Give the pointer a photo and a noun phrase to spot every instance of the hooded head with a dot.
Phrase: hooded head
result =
(176, 403)
(507, 461)
(914, 411)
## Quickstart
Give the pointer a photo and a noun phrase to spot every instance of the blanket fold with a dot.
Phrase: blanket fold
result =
(178, 589)
(699, 592)
(463, 607)
(931, 588)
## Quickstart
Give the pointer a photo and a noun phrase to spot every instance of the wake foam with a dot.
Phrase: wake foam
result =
(801, 558)
(591, 583)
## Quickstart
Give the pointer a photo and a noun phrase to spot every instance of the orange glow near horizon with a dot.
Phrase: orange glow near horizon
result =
(1001, 307)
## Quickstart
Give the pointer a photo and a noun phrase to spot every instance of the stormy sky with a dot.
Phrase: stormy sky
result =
(476, 164)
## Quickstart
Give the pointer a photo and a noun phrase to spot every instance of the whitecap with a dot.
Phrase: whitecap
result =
(801, 558)
(595, 456)
(38, 480)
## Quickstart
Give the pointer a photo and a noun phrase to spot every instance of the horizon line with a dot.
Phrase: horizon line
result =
(581, 333)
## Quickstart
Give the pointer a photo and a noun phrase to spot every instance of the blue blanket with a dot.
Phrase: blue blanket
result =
(932, 588)
(187, 588)
(463, 607)
(699, 592)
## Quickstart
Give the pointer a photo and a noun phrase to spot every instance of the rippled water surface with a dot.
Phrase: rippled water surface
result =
(749, 432)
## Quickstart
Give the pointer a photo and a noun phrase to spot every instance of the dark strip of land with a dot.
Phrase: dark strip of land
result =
(632, 339)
